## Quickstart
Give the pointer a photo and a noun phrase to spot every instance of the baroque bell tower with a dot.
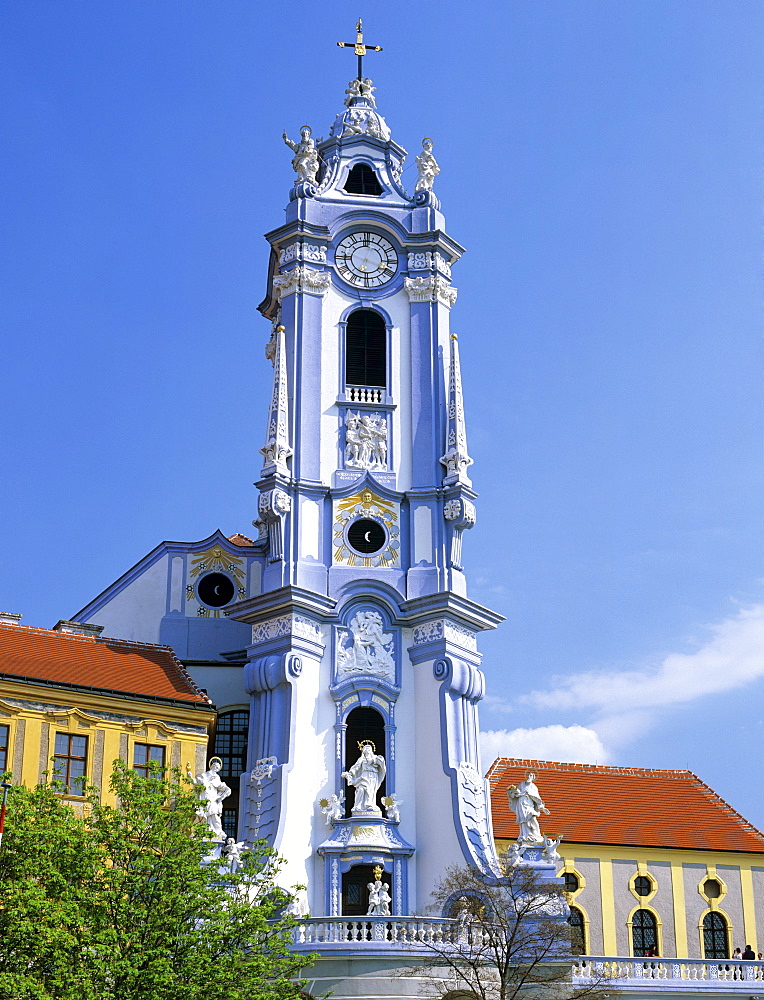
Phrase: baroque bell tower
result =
(363, 670)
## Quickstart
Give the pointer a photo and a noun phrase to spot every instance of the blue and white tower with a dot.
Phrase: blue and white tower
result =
(363, 637)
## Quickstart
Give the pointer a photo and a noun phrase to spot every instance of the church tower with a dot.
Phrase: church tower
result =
(363, 672)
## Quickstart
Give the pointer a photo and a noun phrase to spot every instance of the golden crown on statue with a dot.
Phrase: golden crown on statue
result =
(367, 743)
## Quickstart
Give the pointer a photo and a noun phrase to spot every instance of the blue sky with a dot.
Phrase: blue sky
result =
(600, 161)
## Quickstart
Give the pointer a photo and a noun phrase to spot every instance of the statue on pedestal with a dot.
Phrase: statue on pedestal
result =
(527, 805)
(426, 166)
(305, 159)
(379, 897)
(212, 790)
(366, 775)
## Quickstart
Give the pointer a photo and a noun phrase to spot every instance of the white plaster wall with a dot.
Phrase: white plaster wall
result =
(136, 611)
(309, 532)
(310, 764)
(422, 534)
(436, 840)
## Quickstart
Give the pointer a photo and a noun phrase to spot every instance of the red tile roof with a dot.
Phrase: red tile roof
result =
(238, 539)
(589, 804)
(134, 668)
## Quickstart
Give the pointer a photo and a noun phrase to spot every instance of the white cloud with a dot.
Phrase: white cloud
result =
(574, 744)
(730, 659)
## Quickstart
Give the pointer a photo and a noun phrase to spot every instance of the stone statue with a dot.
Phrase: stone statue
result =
(463, 916)
(366, 775)
(371, 649)
(332, 808)
(360, 88)
(211, 791)
(366, 441)
(298, 904)
(305, 159)
(550, 848)
(231, 854)
(426, 166)
(379, 897)
(514, 856)
(527, 805)
(392, 806)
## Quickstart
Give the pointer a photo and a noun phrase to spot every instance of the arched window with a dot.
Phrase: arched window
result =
(715, 936)
(362, 180)
(365, 349)
(644, 932)
(363, 724)
(577, 931)
(230, 744)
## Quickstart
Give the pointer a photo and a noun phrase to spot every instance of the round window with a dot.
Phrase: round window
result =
(367, 536)
(571, 882)
(712, 888)
(643, 885)
(216, 590)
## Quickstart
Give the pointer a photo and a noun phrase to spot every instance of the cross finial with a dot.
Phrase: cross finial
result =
(360, 47)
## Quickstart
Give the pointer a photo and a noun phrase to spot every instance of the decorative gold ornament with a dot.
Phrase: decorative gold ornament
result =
(364, 743)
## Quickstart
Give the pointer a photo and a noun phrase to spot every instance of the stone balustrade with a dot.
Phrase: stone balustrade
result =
(362, 394)
(722, 972)
(372, 932)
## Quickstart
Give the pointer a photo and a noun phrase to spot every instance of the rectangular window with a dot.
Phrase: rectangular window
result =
(69, 762)
(143, 754)
(4, 730)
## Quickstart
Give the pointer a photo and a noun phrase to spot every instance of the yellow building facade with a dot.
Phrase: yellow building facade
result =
(71, 703)
(649, 858)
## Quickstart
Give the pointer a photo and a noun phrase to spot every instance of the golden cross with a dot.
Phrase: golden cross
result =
(359, 47)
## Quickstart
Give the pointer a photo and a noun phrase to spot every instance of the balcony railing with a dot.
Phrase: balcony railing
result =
(371, 932)
(363, 394)
(418, 933)
(645, 971)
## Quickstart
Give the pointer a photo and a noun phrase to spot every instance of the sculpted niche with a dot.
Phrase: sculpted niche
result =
(366, 441)
(365, 648)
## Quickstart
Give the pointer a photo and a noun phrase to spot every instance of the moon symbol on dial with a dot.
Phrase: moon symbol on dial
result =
(366, 536)
(217, 588)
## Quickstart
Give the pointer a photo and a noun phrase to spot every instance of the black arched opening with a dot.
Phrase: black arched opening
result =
(355, 890)
(715, 936)
(366, 349)
(577, 931)
(644, 932)
(363, 724)
(362, 180)
(230, 744)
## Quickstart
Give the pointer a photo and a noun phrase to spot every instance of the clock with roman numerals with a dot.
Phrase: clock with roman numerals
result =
(366, 260)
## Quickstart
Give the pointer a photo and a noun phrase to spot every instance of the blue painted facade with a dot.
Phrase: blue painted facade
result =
(338, 628)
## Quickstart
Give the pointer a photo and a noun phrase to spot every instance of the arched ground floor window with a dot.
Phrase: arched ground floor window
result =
(644, 932)
(715, 936)
(577, 931)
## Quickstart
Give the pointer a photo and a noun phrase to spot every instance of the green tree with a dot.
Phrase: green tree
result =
(116, 902)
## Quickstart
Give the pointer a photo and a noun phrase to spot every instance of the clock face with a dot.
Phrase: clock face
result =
(366, 260)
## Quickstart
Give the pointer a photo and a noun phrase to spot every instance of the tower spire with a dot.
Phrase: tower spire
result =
(456, 459)
(276, 449)
(360, 47)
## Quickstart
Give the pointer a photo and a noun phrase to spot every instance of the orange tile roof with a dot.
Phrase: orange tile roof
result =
(589, 804)
(238, 539)
(134, 668)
